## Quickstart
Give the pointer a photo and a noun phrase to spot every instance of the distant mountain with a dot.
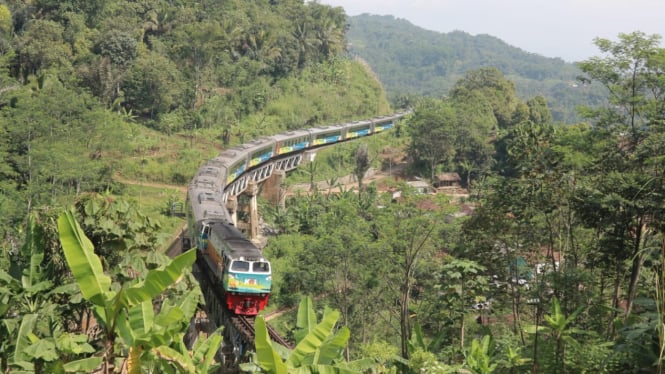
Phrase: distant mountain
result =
(411, 60)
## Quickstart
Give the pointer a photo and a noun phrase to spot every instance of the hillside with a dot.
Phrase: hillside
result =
(410, 60)
(96, 89)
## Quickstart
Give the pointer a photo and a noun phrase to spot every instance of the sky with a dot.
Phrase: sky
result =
(551, 28)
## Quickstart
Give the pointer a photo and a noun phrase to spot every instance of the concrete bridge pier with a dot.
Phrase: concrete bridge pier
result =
(253, 192)
(232, 207)
(273, 189)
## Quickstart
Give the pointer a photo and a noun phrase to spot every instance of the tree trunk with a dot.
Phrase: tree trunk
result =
(534, 368)
(615, 299)
(636, 267)
(461, 333)
(404, 320)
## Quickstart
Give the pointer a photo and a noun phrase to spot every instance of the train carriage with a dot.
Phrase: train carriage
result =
(327, 135)
(358, 129)
(384, 123)
(260, 151)
(235, 161)
(292, 141)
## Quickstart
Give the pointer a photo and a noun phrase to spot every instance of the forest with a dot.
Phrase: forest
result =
(412, 61)
(553, 263)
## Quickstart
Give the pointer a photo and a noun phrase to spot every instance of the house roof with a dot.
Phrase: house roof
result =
(448, 177)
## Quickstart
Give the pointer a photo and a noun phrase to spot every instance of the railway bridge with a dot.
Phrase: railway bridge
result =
(238, 331)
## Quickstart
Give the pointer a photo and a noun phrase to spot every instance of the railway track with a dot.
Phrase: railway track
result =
(245, 325)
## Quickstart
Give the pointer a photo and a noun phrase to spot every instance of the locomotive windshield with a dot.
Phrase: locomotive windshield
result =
(240, 266)
(245, 266)
(260, 267)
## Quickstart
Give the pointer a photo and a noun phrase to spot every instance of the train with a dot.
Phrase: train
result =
(231, 259)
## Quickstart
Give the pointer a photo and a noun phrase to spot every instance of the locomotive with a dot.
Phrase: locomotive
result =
(233, 260)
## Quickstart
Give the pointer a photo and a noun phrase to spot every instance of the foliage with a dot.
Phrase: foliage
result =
(93, 91)
(116, 227)
(128, 312)
(32, 331)
(479, 357)
(318, 348)
(412, 62)
(83, 80)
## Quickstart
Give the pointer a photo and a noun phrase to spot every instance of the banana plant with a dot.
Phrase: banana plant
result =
(479, 357)
(559, 327)
(45, 354)
(318, 350)
(126, 312)
(199, 360)
(31, 334)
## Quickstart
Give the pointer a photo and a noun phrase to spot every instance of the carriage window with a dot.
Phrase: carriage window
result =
(260, 267)
(240, 266)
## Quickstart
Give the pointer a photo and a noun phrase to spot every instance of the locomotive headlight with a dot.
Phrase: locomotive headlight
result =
(269, 277)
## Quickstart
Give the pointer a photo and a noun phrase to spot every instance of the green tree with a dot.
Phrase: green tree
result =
(406, 240)
(116, 227)
(629, 71)
(153, 85)
(363, 164)
(42, 46)
(432, 131)
(539, 112)
(461, 284)
(497, 91)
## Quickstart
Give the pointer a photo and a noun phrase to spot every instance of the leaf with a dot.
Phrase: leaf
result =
(332, 349)
(205, 354)
(306, 320)
(136, 323)
(43, 350)
(183, 361)
(82, 260)
(311, 343)
(159, 280)
(74, 343)
(86, 365)
(22, 342)
(268, 359)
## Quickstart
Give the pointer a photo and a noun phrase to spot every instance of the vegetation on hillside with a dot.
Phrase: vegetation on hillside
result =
(151, 89)
(411, 61)
(560, 266)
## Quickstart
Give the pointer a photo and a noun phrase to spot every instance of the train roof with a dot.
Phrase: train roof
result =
(258, 144)
(238, 245)
(207, 204)
(211, 170)
(324, 129)
(231, 156)
(290, 135)
(359, 123)
(208, 182)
